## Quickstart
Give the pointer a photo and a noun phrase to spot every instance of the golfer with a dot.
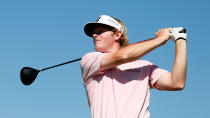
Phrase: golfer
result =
(116, 80)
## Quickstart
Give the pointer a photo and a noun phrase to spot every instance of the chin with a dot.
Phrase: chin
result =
(98, 49)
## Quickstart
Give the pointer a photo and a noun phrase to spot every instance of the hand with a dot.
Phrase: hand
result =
(163, 34)
(178, 33)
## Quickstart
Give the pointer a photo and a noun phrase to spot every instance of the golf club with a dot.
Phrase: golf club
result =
(28, 74)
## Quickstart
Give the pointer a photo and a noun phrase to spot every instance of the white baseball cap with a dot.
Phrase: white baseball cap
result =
(102, 20)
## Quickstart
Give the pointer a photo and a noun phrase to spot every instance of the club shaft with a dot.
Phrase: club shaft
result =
(60, 64)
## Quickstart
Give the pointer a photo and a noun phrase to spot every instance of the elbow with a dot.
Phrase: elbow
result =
(178, 83)
(179, 86)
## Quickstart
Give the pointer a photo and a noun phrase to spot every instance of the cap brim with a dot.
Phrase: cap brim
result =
(89, 27)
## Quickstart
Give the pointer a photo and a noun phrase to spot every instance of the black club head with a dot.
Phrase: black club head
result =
(28, 75)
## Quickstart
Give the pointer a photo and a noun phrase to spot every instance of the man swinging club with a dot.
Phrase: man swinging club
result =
(117, 82)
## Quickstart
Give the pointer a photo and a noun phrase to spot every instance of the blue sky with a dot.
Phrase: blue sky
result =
(41, 33)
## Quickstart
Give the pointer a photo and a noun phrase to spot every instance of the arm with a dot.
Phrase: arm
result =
(134, 51)
(176, 80)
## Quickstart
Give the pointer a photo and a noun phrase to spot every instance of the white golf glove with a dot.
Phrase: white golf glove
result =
(178, 33)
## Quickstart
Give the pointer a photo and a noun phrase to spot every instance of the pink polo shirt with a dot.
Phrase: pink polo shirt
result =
(120, 92)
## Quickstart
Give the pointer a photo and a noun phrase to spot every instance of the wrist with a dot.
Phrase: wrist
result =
(161, 40)
(181, 40)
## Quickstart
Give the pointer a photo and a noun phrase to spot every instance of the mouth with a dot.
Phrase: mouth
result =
(96, 40)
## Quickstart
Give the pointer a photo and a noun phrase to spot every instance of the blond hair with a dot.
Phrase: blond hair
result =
(124, 38)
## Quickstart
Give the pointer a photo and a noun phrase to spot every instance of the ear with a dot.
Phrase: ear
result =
(117, 35)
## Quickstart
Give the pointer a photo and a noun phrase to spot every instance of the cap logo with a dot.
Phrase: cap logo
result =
(98, 18)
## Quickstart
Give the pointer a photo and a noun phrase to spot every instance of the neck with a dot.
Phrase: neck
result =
(114, 48)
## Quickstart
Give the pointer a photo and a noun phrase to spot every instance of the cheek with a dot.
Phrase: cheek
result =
(108, 37)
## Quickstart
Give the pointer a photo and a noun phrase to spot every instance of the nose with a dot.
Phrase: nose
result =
(94, 35)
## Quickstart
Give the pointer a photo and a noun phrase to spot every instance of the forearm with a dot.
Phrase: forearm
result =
(180, 64)
(137, 50)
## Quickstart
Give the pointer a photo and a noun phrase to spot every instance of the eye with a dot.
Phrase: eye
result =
(99, 31)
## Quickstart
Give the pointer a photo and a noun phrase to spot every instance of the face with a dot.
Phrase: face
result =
(103, 38)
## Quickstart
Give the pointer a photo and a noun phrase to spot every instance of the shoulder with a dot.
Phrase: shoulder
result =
(91, 57)
(90, 54)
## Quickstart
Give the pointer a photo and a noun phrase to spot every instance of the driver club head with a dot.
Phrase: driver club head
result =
(28, 75)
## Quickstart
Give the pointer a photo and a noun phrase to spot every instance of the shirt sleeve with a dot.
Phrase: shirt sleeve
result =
(155, 74)
(90, 66)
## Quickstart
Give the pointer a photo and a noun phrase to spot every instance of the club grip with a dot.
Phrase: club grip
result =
(183, 31)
